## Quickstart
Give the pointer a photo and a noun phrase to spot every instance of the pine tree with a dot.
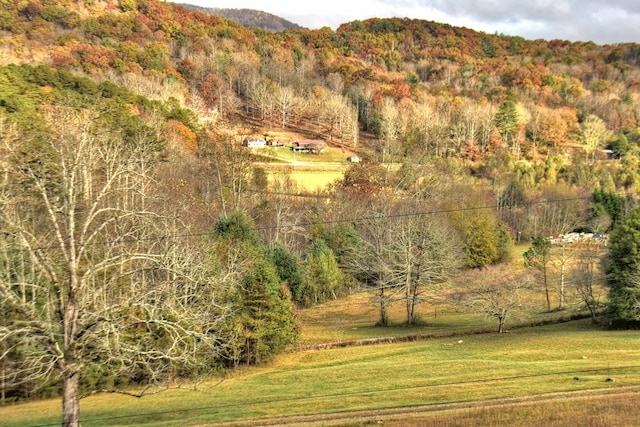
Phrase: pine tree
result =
(506, 120)
(265, 321)
(622, 270)
(323, 278)
(287, 269)
(269, 322)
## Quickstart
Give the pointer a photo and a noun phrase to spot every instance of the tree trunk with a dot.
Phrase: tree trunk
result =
(594, 313)
(3, 393)
(414, 302)
(71, 400)
(562, 279)
(408, 299)
(384, 319)
(501, 322)
(546, 290)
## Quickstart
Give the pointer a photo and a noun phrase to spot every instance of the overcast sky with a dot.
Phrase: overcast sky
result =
(600, 21)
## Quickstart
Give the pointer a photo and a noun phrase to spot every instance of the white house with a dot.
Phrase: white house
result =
(255, 142)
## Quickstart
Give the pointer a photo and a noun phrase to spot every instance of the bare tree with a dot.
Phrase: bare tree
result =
(562, 260)
(423, 255)
(334, 110)
(279, 218)
(368, 261)
(230, 163)
(497, 293)
(262, 99)
(559, 210)
(594, 134)
(285, 99)
(401, 254)
(83, 270)
(393, 125)
(539, 258)
(585, 275)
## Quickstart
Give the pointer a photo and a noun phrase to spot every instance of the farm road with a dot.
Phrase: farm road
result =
(412, 415)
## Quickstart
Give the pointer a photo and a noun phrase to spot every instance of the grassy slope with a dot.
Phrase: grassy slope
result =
(311, 172)
(525, 361)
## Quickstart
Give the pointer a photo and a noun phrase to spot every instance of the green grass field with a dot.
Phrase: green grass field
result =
(528, 361)
(453, 360)
(311, 172)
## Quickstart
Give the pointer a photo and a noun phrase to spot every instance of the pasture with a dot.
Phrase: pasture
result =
(307, 172)
(525, 364)
(306, 180)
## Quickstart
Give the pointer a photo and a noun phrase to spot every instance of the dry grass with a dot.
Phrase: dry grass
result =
(309, 180)
(311, 172)
(598, 411)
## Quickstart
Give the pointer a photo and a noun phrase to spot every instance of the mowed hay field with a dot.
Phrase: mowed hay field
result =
(308, 180)
(512, 379)
(308, 173)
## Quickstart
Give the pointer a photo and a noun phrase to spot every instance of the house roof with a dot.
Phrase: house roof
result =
(311, 143)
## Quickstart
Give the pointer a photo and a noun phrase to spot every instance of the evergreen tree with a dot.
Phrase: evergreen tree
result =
(607, 203)
(322, 276)
(506, 120)
(265, 321)
(485, 240)
(287, 269)
(622, 268)
(268, 320)
(237, 226)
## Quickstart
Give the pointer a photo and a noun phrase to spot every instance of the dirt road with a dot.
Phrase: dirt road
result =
(412, 415)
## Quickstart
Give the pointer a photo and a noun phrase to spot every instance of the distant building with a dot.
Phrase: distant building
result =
(255, 142)
(272, 142)
(354, 159)
(578, 237)
(314, 146)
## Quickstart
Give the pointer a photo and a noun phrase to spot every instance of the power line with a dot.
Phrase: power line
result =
(353, 220)
(443, 211)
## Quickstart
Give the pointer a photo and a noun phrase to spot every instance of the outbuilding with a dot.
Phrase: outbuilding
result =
(314, 146)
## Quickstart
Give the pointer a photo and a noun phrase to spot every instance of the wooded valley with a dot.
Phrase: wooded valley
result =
(142, 241)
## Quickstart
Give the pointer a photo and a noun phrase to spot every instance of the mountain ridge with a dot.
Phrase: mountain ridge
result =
(248, 18)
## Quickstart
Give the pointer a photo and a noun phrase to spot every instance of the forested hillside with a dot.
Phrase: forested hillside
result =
(141, 241)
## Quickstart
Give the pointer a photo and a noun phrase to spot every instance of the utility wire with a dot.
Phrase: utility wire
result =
(353, 220)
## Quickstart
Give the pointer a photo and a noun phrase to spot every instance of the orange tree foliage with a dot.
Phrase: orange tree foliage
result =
(182, 136)
(557, 126)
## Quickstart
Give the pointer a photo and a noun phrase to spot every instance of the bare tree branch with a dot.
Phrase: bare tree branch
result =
(91, 277)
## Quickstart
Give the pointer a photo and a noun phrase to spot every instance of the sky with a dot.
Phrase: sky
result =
(599, 21)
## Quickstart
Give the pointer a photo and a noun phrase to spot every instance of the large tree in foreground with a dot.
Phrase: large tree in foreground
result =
(586, 275)
(88, 271)
(367, 260)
